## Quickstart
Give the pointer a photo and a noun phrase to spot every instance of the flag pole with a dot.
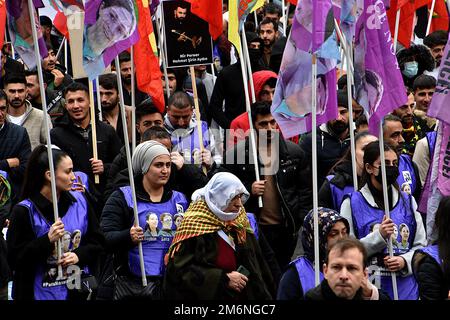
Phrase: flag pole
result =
(66, 57)
(133, 104)
(350, 117)
(252, 131)
(47, 127)
(430, 18)
(397, 24)
(93, 128)
(283, 10)
(61, 46)
(314, 171)
(386, 204)
(248, 65)
(162, 53)
(197, 113)
(130, 168)
(99, 99)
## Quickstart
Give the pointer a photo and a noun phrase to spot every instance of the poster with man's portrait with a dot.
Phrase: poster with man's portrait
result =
(187, 38)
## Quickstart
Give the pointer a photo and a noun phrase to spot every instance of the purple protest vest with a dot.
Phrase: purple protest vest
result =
(365, 219)
(306, 273)
(253, 224)
(338, 194)
(423, 203)
(48, 285)
(159, 236)
(188, 144)
(406, 172)
(432, 251)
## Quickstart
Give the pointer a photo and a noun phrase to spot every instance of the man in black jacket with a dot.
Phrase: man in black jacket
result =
(185, 178)
(282, 212)
(73, 134)
(346, 275)
(15, 149)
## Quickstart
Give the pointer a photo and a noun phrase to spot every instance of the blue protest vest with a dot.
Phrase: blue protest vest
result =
(406, 172)
(157, 241)
(365, 219)
(188, 144)
(84, 178)
(426, 190)
(48, 285)
(306, 273)
(338, 194)
(253, 224)
(432, 251)
(4, 174)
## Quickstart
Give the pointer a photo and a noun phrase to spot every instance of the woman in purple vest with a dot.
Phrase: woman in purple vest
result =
(299, 277)
(364, 210)
(340, 181)
(151, 167)
(431, 265)
(33, 233)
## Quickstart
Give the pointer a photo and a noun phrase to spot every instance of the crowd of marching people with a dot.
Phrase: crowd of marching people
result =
(195, 221)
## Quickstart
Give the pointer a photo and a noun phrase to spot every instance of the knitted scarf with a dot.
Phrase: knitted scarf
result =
(199, 220)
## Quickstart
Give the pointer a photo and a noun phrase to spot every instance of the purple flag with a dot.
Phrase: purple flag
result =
(379, 87)
(20, 31)
(439, 107)
(312, 32)
(110, 27)
(443, 178)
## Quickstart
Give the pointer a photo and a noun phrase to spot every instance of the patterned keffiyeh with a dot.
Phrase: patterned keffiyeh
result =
(199, 220)
(5, 190)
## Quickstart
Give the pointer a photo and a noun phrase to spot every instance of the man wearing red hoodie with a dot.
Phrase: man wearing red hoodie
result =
(264, 82)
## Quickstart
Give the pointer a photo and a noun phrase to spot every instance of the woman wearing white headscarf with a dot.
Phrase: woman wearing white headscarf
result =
(151, 167)
(214, 254)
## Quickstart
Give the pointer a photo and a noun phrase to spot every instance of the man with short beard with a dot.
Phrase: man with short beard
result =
(333, 139)
(125, 72)
(55, 71)
(111, 112)
(20, 111)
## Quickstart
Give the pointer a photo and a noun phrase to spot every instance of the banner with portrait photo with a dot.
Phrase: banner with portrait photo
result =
(110, 27)
(187, 39)
(20, 31)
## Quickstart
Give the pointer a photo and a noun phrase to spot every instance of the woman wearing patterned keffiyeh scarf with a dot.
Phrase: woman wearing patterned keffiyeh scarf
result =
(213, 241)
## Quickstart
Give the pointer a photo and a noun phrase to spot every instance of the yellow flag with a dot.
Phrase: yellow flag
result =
(238, 12)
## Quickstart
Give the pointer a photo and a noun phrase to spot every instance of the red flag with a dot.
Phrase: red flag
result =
(2, 21)
(148, 74)
(294, 2)
(440, 16)
(407, 11)
(211, 12)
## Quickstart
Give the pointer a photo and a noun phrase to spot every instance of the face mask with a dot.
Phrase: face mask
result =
(411, 69)
(391, 175)
(254, 54)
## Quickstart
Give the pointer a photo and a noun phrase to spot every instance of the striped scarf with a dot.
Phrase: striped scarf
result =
(199, 220)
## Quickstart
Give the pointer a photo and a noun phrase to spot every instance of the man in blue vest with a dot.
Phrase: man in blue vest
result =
(409, 173)
(182, 126)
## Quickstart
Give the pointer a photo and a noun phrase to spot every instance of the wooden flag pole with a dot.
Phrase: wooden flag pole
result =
(197, 114)
(93, 128)
(130, 169)
(314, 171)
(386, 204)
(47, 128)
(350, 116)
